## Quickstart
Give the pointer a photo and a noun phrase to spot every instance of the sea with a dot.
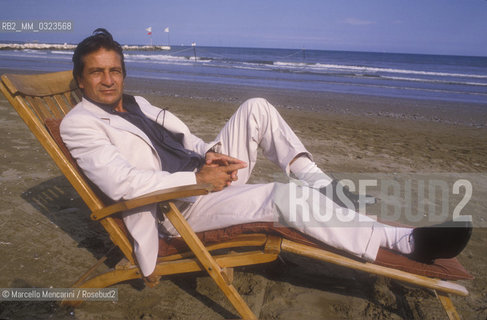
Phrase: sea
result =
(419, 76)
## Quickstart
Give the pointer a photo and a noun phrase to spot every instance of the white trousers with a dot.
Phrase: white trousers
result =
(258, 124)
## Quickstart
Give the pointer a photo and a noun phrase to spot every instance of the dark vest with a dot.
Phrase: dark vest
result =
(169, 146)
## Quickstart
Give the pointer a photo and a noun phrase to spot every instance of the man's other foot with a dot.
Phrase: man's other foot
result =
(442, 241)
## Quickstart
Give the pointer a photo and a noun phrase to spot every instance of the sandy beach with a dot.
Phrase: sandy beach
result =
(47, 239)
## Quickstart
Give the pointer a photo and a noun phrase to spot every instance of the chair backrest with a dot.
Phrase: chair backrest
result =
(42, 100)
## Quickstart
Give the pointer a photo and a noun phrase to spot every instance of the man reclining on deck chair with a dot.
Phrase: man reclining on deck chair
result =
(128, 148)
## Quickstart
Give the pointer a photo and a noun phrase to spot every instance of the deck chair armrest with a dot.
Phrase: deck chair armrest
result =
(153, 197)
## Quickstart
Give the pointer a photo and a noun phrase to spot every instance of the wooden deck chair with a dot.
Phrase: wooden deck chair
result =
(42, 100)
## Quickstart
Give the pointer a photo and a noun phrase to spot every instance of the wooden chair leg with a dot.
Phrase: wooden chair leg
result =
(105, 280)
(89, 271)
(447, 305)
(87, 274)
(207, 261)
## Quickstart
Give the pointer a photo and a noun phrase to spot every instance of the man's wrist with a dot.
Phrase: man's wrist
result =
(216, 148)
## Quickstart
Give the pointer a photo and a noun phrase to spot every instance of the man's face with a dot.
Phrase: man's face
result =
(102, 77)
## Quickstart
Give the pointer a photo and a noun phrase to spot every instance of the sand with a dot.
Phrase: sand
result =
(47, 239)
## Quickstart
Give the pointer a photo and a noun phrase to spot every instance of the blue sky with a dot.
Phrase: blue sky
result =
(410, 26)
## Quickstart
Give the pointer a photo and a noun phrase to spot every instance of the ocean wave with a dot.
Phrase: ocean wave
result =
(155, 57)
(62, 52)
(32, 51)
(365, 70)
(468, 83)
(163, 58)
(36, 54)
(322, 68)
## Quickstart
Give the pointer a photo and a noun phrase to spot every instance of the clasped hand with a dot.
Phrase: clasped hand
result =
(219, 170)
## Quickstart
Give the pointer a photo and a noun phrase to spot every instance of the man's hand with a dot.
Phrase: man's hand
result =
(221, 159)
(217, 160)
(220, 170)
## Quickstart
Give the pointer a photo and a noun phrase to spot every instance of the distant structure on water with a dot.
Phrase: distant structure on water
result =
(65, 46)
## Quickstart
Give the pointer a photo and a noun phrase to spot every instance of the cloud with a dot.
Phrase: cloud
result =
(358, 22)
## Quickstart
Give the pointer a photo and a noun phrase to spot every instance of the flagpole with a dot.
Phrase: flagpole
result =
(168, 40)
(149, 32)
(194, 50)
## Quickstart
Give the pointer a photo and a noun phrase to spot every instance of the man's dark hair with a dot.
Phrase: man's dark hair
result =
(100, 38)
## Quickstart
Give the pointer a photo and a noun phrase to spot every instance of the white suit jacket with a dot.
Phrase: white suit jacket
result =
(121, 160)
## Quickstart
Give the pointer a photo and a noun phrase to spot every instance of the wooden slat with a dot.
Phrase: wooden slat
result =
(448, 305)
(119, 238)
(31, 103)
(53, 107)
(40, 85)
(153, 197)
(320, 254)
(210, 265)
(69, 98)
(273, 244)
(77, 94)
(230, 260)
(228, 274)
(61, 102)
(88, 272)
(44, 109)
(238, 259)
(240, 241)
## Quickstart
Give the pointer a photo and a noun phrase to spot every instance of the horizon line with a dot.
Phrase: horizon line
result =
(248, 47)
